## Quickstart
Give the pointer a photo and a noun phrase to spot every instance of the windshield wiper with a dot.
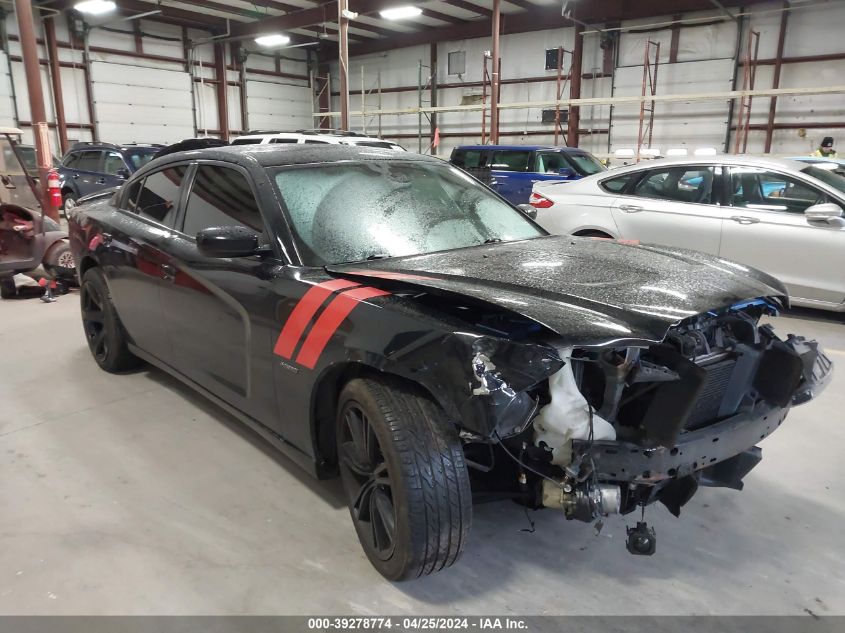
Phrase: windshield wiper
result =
(493, 240)
(377, 256)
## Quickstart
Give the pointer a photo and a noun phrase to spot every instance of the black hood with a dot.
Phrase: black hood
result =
(589, 291)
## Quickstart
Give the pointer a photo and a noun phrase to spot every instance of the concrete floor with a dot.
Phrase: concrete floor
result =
(131, 495)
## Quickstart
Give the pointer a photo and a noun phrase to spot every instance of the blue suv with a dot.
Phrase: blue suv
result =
(91, 167)
(515, 168)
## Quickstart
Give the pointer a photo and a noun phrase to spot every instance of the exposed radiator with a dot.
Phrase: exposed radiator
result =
(706, 407)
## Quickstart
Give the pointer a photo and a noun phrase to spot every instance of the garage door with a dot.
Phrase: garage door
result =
(143, 105)
(275, 106)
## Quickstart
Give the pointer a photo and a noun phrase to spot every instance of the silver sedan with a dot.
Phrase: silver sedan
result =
(781, 216)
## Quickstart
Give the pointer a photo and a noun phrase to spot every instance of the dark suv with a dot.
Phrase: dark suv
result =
(91, 167)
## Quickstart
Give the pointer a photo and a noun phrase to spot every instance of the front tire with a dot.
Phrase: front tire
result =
(406, 482)
(101, 325)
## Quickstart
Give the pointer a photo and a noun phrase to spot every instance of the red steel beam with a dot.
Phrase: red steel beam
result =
(773, 102)
(56, 81)
(23, 10)
(222, 90)
(575, 86)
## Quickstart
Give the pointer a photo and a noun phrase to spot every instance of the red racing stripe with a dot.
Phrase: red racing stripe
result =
(304, 311)
(331, 318)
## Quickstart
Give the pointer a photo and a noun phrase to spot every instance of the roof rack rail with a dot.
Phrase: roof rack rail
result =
(263, 132)
(80, 144)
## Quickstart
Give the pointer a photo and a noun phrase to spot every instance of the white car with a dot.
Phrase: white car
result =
(781, 216)
(317, 137)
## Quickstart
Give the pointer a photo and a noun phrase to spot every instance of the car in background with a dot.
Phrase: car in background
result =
(515, 168)
(783, 217)
(30, 160)
(315, 137)
(91, 167)
(836, 165)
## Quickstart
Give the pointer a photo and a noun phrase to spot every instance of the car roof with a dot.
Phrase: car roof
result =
(279, 155)
(765, 162)
(530, 148)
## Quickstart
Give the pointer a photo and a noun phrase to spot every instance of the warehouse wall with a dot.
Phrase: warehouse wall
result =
(149, 98)
(706, 62)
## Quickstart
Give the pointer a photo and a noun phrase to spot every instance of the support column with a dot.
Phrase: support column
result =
(773, 102)
(222, 90)
(495, 79)
(343, 58)
(433, 70)
(29, 51)
(575, 86)
(56, 79)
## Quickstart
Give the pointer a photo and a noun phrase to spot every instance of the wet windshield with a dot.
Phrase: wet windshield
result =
(827, 176)
(342, 212)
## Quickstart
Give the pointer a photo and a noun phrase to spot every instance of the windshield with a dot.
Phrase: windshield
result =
(827, 176)
(140, 157)
(343, 212)
(585, 164)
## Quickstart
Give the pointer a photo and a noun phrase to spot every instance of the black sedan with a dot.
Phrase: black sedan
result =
(390, 319)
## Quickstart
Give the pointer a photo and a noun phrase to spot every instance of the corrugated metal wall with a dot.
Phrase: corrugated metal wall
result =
(150, 100)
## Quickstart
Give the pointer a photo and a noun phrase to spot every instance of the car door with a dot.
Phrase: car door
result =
(220, 328)
(133, 256)
(14, 185)
(509, 168)
(85, 171)
(766, 228)
(675, 205)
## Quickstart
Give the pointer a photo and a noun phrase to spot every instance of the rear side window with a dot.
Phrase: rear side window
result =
(511, 160)
(221, 196)
(247, 141)
(159, 196)
(617, 185)
(679, 184)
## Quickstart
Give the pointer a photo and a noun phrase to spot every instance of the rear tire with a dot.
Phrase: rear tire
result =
(406, 482)
(59, 262)
(102, 327)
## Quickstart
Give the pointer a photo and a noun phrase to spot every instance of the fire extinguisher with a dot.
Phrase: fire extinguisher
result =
(54, 189)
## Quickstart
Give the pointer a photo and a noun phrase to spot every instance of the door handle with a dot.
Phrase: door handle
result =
(168, 272)
(744, 219)
(101, 181)
(75, 176)
(630, 208)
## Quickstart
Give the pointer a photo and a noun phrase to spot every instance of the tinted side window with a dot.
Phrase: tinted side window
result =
(510, 160)
(316, 142)
(113, 163)
(617, 185)
(755, 188)
(159, 197)
(246, 141)
(221, 197)
(283, 140)
(88, 161)
(680, 184)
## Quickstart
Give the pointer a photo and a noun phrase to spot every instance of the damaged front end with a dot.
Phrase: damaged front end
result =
(618, 428)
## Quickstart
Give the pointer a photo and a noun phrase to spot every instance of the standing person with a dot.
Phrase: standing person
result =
(826, 150)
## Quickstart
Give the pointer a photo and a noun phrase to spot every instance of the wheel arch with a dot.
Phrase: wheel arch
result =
(588, 231)
(87, 263)
(324, 398)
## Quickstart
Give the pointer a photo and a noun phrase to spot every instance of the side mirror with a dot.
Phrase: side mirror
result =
(566, 172)
(123, 173)
(822, 212)
(528, 210)
(227, 241)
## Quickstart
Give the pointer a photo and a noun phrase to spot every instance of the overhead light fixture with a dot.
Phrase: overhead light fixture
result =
(400, 13)
(275, 39)
(95, 7)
